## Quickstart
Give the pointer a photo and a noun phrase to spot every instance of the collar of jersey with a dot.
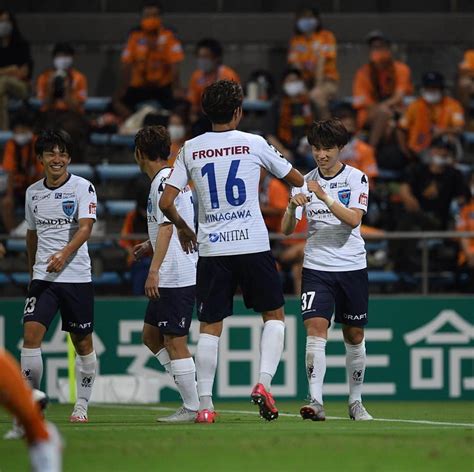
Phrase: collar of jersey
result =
(55, 188)
(341, 170)
(163, 168)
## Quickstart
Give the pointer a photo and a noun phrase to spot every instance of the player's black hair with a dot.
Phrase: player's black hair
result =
(220, 100)
(153, 3)
(48, 139)
(343, 110)
(23, 117)
(154, 142)
(63, 48)
(212, 44)
(328, 134)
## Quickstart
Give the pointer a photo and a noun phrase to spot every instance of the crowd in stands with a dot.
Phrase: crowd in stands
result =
(408, 142)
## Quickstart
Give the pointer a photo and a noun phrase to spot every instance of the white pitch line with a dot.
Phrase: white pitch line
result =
(292, 415)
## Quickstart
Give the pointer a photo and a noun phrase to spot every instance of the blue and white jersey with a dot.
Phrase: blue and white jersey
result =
(333, 245)
(178, 269)
(54, 214)
(225, 169)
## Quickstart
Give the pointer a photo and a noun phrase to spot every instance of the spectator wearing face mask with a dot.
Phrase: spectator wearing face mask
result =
(209, 70)
(150, 64)
(431, 115)
(178, 129)
(465, 85)
(290, 117)
(379, 87)
(313, 51)
(62, 87)
(15, 64)
(21, 165)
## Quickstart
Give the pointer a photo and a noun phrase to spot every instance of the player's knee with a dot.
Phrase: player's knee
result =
(82, 344)
(176, 346)
(353, 335)
(278, 314)
(32, 336)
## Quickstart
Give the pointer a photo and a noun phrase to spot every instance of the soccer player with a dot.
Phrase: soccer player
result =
(171, 282)
(224, 166)
(60, 211)
(334, 198)
(43, 439)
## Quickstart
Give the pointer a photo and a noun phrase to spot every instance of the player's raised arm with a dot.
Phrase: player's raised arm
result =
(293, 213)
(294, 178)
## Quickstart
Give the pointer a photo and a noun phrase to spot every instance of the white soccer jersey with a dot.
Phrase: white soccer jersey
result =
(54, 214)
(225, 168)
(178, 268)
(332, 245)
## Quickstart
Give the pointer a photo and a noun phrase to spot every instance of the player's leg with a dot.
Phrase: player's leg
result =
(76, 302)
(153, 338)
(317, 306)
(215, 289)
(352, 312)
(43, 440)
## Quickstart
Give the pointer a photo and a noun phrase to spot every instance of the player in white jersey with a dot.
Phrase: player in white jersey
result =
(60, 211)
(334, 198)
(171, 282)
(224, 166)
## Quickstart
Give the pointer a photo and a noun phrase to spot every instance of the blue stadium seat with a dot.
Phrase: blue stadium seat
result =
(5, 136)
(119, 207)
(256, 105)
(123, 140)
(117, 171)
(100, 139)
(16, 245)
(21, 278)
(107, 278)
(383, 277)
(82, 170)
(469, 137)
(389, 174)
(373, 245)
(4, 279)
(97, 104)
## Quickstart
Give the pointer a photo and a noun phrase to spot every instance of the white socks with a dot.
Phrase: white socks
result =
(86, 367)
(184, 374)
(206, 365)
(271, 349)
(164, 359)
(316, 366)
(32, 366)
(355, 368)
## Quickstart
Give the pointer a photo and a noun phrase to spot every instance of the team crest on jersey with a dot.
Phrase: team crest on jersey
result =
(68, 207)
(344, 196)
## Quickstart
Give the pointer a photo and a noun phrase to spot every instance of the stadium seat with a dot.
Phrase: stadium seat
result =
(82, 170)
(4, 279)
(117, 171)
(469, 137)
(119, 207)
(389, 174)
(107, 278)
(21, 278)
(383, 277)
(123, 140)
(16, 245)
(256, 105)
(100, 139)
(97, 104)
(5, 136)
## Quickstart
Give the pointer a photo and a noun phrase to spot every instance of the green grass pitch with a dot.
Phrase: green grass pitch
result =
(425, 437)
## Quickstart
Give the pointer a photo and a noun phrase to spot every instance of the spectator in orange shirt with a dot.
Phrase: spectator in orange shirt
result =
(209, 70)
(313, 50)
(465, 85)
(150, 64)
(62, 87)
(379, 87)
(431, 115)
(356, 152)
(22, 166)
(273, 195)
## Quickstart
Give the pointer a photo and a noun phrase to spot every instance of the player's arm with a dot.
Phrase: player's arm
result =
(294, 178)
(142, 250)
(349, 216)
(31, 247)
(163, 239)
(290, 218)
(57, 260)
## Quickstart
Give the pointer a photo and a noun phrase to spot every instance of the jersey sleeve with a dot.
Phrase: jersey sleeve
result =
(160, 217)
(87, 201)
(178, 177)
(272, 160)
(359, 184)
(29, 215)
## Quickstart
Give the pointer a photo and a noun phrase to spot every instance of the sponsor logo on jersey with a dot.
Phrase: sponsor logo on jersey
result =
(321, 211)
(363, 179)
(333, 185)
(363, 316)
(35, 209)
(149, 206)
(182, 323)
(341, 184)
(57, 222)
(58, 196)
(344, 196)
(41, 197)
(228, 216)
(220, 152)
(68, 207)
(162, 323)
(91, 189)
(363, 199)
(228, 236)
(92, 208)
(72, 324)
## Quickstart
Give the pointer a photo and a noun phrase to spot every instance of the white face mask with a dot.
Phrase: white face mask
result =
(5, 29)
(62, 62)
(439, 160)
(176, 132)
(432, 97)
(292, 89)
(23, 138)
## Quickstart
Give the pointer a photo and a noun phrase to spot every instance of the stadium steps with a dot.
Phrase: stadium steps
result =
(117, 171)
(119, 207)
(92, 104)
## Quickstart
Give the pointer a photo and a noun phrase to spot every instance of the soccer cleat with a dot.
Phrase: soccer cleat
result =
(357, 412)
(265, 402)
(46, 456)
(79, 414)
(205, 416)
(182, 415)
(314, 411)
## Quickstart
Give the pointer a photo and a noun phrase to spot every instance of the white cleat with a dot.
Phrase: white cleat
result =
(17, 431)
(79, 414)
(46, 456)
(357, 412)
(182, 415)
(314, 411)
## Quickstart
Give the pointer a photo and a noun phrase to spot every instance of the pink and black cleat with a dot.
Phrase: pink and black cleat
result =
(205, 416)
(265, 402)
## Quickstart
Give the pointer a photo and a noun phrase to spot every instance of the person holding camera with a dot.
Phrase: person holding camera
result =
(62, 87)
